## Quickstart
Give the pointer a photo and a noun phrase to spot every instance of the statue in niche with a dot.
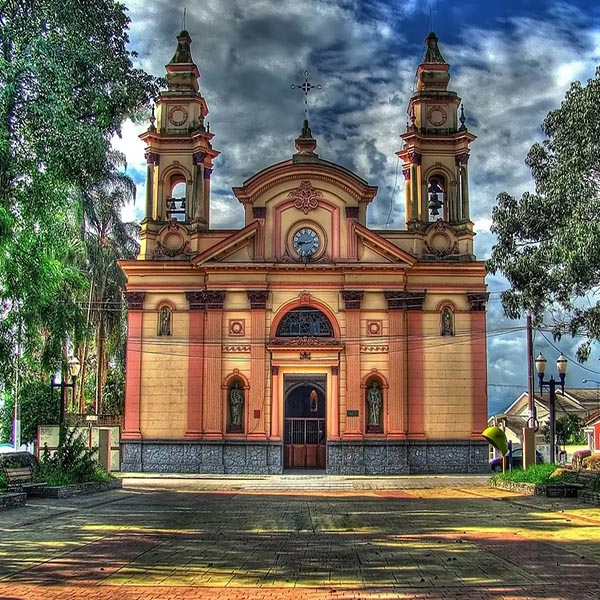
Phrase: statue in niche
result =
(447, 328)
(236, 407)
(374, 404)
(164, 321)
(314, 401)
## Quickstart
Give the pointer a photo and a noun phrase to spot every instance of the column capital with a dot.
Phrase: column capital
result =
(258, 298)
(478, 300)
(353, 298)
(214, 299)
(135, 300)
(195, 300)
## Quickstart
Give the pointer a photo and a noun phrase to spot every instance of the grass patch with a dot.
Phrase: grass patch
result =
(538, 474)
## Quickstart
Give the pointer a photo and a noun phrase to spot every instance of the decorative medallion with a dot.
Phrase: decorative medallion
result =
(177, 115)
(374, 328)
(437, 115)
(305, 197)
(236, 327)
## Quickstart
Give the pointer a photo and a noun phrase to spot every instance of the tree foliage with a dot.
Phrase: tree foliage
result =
(549, 241)
(67, 82)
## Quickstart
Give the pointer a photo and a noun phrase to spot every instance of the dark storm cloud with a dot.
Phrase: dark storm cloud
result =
(511, 62)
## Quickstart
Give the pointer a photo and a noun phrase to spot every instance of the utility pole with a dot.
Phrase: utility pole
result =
(529, 431)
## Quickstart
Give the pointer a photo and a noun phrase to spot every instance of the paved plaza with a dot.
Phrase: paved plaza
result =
(300, 536)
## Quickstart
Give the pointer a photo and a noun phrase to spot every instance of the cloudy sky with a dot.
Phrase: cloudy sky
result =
(511, 62)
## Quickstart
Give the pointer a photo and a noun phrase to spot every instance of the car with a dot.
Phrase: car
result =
(517, 457)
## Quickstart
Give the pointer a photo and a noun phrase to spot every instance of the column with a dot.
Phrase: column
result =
(213, 394)
(195, 364)
(152, 161)
(351, 219)
(275, 435)
(257, 403)
(478, 302)
(399, 302)
(414, 367)
(333, 417)
(133, 385)
(206, 191)
(465, 197)
(354, 404)
(259, 213)
(197, 207)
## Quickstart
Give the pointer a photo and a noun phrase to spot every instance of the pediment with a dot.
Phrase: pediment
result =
(381, 247)
(229, 246)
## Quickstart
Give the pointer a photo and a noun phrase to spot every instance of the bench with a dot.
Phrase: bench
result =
(18, 469)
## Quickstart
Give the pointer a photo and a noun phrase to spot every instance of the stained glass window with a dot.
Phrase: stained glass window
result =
(309, 322)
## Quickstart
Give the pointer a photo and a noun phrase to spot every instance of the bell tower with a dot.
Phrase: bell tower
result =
(435, 153)
(179, 154)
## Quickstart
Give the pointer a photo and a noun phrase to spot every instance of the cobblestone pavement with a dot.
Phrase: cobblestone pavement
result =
(311, 537)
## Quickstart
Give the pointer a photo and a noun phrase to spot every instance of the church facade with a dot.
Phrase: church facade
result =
(305, 339)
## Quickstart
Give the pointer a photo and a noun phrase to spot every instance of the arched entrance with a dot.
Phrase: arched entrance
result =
(304, 421)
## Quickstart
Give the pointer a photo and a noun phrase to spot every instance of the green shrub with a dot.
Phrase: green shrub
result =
(2, 481)
(73, 462)
(538, 474)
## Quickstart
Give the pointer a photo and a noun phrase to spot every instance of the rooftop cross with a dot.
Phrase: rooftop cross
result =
(306, 87)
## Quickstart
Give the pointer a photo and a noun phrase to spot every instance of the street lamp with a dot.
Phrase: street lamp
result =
(74, 367)
(540, 367)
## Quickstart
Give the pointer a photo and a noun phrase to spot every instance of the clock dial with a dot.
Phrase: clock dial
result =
(306, 241)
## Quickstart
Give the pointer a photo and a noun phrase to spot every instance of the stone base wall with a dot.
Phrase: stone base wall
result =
(374, 457)
(182, 456)
(369, 457)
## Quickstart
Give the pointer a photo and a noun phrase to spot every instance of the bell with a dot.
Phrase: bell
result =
(171, 204)
(183, 204)
(434, 204)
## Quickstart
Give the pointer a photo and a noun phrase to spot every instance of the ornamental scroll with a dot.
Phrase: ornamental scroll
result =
(305, 197)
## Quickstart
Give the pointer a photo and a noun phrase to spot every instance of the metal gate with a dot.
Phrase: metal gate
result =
(305, 446)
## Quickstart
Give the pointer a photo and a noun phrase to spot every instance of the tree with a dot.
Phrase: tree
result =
(66, 84)
(549, 241)
(107, 239)
(39, 406)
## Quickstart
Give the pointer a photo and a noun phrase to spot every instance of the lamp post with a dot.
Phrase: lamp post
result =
(74, 366)
(561, 367)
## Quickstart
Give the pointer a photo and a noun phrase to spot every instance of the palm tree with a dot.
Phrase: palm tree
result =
(107, 239)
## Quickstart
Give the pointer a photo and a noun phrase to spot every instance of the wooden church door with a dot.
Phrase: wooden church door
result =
(305, 426)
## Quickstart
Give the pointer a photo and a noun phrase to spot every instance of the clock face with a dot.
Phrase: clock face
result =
(306, 241)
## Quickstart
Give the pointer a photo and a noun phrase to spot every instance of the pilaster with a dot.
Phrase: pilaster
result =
(257, 403)
(195, 364)
(354, 404)
(135, 307)
(212, 399)
(478, 302)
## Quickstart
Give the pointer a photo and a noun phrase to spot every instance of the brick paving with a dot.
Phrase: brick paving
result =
(301, 537)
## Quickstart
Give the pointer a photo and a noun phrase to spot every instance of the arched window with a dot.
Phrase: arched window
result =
(176, 208)
(164, 321)
(447, 321)
(436, 195)
(304, 322)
